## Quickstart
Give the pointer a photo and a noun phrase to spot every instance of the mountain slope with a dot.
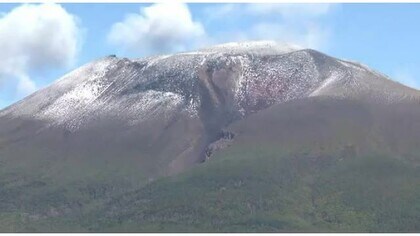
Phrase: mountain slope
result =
(114, 125)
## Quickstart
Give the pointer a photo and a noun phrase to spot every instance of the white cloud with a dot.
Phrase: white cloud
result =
(289, 10)
(169, 27)
(215, 12)
(25, 86)
(34, 38)
(295, 23)
(159, 28)
(405, 77)
(311, 36)
(285, 10)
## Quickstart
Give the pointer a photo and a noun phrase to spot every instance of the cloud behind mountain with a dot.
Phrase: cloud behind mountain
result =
(36, 38)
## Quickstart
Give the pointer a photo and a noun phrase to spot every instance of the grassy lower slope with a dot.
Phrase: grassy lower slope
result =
(258, 189)
(310, 165)
(304, 166)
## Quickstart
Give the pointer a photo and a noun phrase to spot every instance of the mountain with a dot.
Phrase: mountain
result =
(256, 136)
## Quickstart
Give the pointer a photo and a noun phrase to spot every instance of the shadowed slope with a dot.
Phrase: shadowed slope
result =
(313, 165)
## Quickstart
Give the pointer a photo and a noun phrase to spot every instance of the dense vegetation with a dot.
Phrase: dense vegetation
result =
(258, 189)
(244, 189)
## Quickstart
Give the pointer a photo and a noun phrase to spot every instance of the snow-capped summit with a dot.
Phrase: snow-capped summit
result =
(254, 47)
(246, 76)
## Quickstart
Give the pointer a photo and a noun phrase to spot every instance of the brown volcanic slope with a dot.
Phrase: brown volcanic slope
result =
(307, 165)
(115, 124)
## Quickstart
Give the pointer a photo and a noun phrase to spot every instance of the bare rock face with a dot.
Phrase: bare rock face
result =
(160, 114)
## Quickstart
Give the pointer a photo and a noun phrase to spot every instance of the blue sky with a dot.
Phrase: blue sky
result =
(42, 42)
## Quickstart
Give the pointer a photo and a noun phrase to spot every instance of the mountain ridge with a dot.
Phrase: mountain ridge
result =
(208, 89)
(253, 134)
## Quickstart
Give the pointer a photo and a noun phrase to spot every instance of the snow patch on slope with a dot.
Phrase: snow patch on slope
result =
(86, 85)
(154, 104)
(327, 83)
(74, 100)
(38, 104)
